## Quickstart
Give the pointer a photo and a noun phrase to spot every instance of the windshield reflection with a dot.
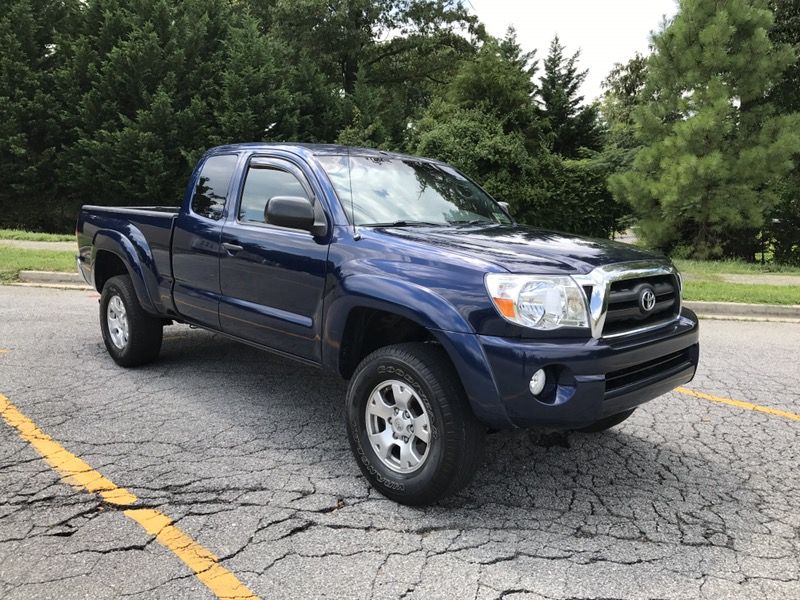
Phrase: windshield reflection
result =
(392, 191)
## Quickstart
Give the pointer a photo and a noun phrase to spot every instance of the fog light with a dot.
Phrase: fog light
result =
(538, 382)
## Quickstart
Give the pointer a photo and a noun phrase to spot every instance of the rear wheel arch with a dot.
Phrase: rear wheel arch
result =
(107, 264)
(112, 252)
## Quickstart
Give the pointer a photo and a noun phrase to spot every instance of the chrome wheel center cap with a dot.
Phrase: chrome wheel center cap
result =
(401, 425)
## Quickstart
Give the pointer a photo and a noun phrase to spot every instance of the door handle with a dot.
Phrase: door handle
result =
(232, 248)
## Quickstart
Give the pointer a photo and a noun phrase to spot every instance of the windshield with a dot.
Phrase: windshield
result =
(402, 191)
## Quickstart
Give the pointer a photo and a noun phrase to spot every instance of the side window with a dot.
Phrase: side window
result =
(263, 183)
(212, 186)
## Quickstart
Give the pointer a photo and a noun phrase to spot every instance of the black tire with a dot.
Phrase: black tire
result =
(456, 436)
(607, 423)
(144, 332)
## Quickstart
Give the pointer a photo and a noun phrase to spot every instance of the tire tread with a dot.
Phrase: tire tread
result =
(433, 365)
(145, 332)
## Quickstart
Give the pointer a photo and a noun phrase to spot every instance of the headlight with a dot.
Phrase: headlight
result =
(538, 301)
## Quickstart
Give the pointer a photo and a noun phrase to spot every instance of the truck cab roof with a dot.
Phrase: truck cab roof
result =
(309, 150)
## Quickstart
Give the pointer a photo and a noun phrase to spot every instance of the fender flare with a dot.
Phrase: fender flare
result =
(434, 313)
(134, 252)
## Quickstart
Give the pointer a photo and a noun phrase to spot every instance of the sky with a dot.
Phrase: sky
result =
(605, 31)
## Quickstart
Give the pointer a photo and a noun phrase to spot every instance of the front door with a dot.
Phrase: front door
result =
(272, 278)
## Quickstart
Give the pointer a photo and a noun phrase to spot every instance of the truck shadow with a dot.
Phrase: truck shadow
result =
(649, 469)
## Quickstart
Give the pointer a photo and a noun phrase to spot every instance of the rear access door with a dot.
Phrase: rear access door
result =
(196, 248)
(272, 278)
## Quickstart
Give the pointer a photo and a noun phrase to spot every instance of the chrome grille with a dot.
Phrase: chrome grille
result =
(614, 295)
(625, 310)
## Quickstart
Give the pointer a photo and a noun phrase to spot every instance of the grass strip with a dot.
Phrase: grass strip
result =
(721, 291)
(733, 267)
(14, 260)
(30, 236)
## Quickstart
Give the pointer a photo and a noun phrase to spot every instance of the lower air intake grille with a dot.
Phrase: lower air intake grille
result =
(641, 373)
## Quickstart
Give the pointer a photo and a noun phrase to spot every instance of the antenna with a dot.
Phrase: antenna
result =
(356, 235)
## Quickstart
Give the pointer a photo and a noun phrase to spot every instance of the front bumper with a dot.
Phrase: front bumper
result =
(591, 379)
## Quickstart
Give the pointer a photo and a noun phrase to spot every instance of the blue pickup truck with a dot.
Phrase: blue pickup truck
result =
(407, 279)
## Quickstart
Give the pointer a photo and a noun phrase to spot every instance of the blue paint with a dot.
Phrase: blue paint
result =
(292, 292)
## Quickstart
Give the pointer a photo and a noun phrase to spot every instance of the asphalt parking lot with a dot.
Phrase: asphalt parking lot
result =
(246, 454)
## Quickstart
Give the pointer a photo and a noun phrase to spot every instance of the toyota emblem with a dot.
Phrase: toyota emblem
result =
(647, 299)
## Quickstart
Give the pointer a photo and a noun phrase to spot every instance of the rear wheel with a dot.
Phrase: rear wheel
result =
(132, 337)
(411, 430)
(607, 423)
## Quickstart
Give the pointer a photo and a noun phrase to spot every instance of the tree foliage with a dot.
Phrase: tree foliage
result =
(714, 146)
(32, 127)
(624, 92)
(112, 101)
(573, 125)
(488, 124)
(477, 143)
(782, 229)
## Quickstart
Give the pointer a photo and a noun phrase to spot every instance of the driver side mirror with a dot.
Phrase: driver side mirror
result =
(294, 212)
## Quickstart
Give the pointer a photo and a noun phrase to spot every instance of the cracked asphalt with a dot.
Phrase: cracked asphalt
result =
(247, 453)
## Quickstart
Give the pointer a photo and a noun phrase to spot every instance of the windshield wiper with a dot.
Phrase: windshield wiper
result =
(474, 222)
(404, 223)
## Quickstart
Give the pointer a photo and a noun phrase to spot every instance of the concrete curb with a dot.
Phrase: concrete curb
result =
(706, 310)
(55, 286)
(53, 278)
(738, 310)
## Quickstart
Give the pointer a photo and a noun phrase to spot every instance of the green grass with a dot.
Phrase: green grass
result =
(735, 267)
(704, 280)
(720, 291)
(14, 260)
(29, 236)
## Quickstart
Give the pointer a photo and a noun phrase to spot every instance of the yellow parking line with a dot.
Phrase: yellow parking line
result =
(74, 471)
(740, 404)
(204, 564)
(78, 473)
(3, 350)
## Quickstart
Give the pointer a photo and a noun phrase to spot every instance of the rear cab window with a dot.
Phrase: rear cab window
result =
(213, 182)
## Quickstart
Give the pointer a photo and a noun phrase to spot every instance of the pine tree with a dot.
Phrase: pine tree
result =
(31, 113)
(479, 144)
(386, 58)
(155, 83)
(500, 81)
(783, 221)
(713, 145)
(572, 124)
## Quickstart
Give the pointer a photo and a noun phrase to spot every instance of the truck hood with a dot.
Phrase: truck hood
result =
(522, 249)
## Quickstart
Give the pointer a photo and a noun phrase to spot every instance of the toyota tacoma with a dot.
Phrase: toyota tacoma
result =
(402, 275)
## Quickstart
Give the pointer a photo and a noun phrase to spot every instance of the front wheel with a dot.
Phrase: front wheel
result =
(132, 337)
(411, 430)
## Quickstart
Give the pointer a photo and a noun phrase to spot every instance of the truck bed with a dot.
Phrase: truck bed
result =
(148, 228)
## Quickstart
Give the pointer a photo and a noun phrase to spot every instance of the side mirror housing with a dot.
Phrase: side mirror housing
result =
(294, 212)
